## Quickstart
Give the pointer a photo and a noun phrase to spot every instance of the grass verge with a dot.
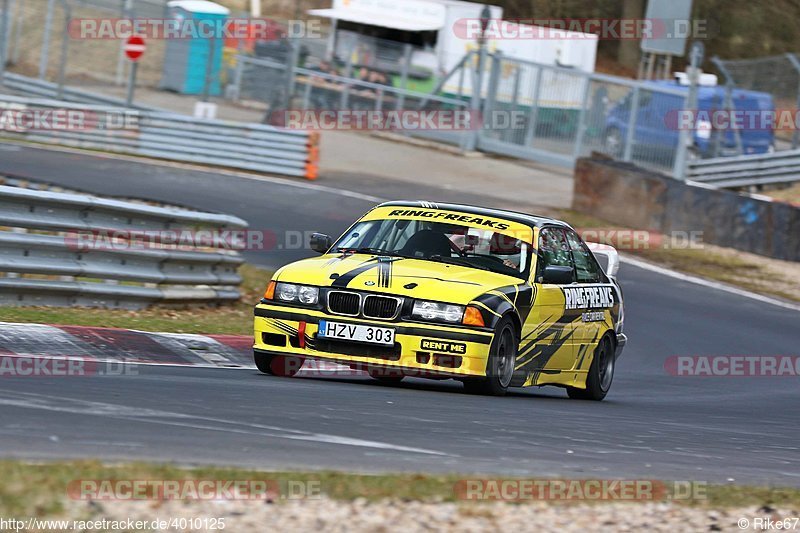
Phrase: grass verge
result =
(233, 319)
(41, 489)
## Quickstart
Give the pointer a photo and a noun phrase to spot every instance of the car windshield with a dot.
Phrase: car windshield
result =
(455, 244)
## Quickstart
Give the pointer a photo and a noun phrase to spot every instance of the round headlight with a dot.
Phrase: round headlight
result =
(452, 313)
(308, 295)
(428, 310)
(287, 292)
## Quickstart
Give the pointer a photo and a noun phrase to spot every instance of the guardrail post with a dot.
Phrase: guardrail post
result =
(627, 153)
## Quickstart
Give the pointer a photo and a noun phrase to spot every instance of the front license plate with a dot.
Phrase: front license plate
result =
(356, 332)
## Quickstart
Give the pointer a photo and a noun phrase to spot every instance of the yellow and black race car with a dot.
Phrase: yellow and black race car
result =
(493, 298)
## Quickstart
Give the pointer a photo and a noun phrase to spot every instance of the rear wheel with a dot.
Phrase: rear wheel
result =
(601, 373)
(285, 366)
(500, 366)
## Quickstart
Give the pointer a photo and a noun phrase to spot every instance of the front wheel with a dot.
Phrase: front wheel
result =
(500, 366)
(601, 374)
(285, 366)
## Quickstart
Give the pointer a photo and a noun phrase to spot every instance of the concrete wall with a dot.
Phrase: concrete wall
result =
(630, 196)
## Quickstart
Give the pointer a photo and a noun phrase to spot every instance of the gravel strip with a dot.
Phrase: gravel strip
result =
(355, 516)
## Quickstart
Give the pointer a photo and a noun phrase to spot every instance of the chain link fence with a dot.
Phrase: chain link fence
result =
(777, 75)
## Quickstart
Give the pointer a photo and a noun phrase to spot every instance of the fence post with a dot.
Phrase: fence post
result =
(3, 40)
(627, 153)
(477, 94)
(530, 132)
(491, 93)
(406, 66)
(582, 118)
(796, 64)
(235, 89)
(686, 136)
(62, 68)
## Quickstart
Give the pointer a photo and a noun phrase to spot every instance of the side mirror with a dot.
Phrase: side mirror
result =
(557, 275)
(320, 242)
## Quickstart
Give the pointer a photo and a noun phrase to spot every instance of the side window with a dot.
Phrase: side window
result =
(553, 249)
(586, 267)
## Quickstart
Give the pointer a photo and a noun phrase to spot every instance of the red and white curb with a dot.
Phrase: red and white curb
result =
(115, 345)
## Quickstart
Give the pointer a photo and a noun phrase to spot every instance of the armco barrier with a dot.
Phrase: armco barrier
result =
(254, 147)
(633, 197)
(747, 170)
(60, 264)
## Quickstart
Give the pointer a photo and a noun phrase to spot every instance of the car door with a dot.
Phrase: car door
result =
(591, 298)
(547, 343)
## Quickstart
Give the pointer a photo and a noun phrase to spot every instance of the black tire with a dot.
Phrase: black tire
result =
(500, 366)
(285, 366)
(601, 373)
(386, 375)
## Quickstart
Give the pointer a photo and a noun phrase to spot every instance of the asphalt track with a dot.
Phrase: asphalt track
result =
(652, 425)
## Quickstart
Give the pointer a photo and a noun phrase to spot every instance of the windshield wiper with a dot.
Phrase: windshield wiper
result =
(368, 250)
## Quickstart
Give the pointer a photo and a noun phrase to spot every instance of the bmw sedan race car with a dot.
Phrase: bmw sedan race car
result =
(492, 298)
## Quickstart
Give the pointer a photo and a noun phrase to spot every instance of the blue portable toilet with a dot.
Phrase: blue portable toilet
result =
(186, 59)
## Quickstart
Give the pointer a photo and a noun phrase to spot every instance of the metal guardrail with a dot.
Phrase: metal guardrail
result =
(34, 87)
(747, 170)
(89, 251)
(254, 147)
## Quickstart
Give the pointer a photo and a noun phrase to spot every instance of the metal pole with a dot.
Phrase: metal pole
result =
(796, 64)
(533, 118)
(294, 57)
(48, 29)
(131, 84)
(62, 68)
(627, 154)
(405, 67)
(18, 26)
(686, 136)
(3, 39)
(582, 118)
(209, 69)
(125, 12)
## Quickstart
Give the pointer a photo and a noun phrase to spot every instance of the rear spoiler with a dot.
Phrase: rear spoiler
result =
(611, 256)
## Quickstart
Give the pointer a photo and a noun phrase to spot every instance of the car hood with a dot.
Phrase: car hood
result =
(414, 278)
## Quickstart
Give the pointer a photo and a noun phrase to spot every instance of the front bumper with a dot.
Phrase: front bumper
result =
(420, 349)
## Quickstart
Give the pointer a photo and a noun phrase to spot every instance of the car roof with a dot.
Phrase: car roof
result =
(533, 221)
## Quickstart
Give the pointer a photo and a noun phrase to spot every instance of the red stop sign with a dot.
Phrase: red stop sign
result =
(134, 48)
